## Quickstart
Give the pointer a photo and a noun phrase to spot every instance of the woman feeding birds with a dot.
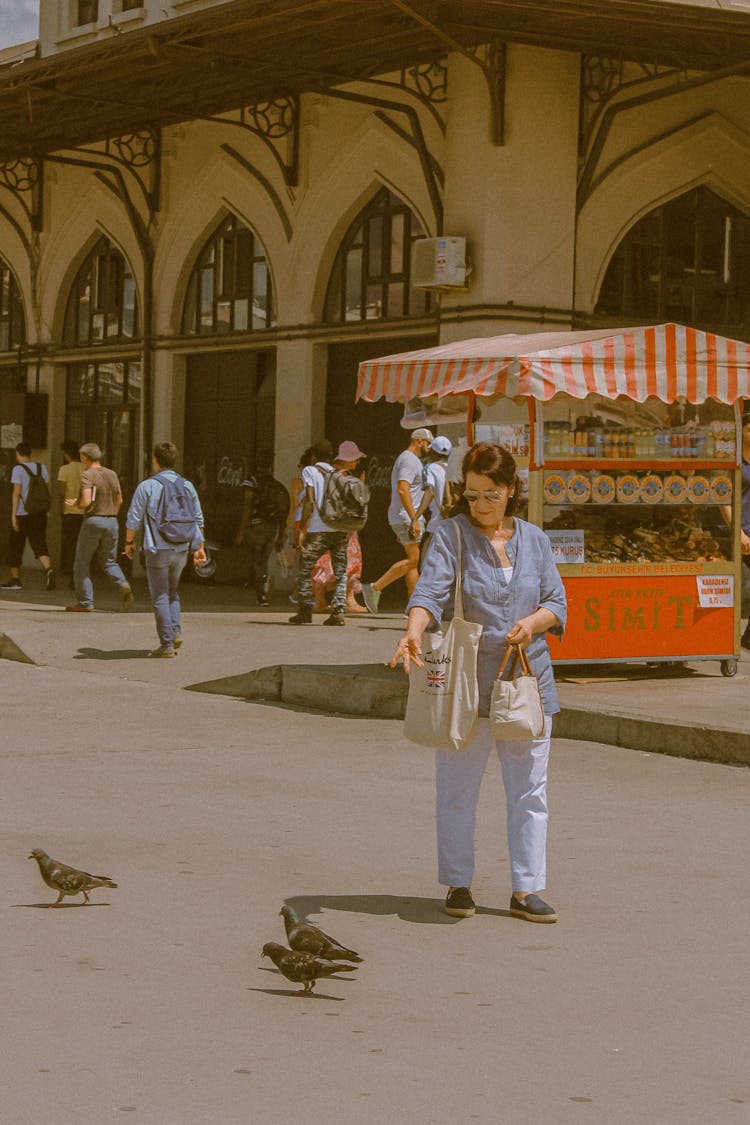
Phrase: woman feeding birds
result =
(511, 586)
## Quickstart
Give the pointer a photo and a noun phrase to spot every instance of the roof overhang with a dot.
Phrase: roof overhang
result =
(246, 51)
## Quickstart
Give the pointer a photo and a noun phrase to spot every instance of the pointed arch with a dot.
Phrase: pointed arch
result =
(102, 303)
(709, 151)
(13, 332)
(230, 287)
(371, 275)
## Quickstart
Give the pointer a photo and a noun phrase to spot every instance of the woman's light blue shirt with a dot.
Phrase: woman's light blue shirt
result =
(491, 601)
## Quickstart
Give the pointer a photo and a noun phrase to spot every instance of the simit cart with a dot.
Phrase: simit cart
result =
(628, 444)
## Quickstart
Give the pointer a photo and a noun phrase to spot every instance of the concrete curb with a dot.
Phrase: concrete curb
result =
(377, 691)
(9, 650)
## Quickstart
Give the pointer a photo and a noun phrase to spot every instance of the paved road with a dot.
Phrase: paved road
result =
(153, 1006)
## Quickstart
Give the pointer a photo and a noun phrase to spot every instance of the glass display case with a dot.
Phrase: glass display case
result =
(639, 501)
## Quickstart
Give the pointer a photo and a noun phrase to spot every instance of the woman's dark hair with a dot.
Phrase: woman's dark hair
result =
(494, 461)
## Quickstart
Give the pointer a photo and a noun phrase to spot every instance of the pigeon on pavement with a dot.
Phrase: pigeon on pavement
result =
(67, 880)
(302, 968)
(307, 938)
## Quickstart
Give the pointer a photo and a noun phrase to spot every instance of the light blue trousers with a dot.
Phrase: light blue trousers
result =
(163, 570)
(458, 781)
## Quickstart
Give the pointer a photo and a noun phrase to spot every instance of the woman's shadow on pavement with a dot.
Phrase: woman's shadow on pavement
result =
(427, 911)
(111, 654)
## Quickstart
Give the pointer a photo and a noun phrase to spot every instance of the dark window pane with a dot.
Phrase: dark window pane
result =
(375, 247)
(87, 12)
(397, 244)
(354, 285)
(111, 382)
(134, 382)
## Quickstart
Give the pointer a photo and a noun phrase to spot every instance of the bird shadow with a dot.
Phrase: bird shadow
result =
(59, 906)
(297, 993)
(423, 911)
(111, 654)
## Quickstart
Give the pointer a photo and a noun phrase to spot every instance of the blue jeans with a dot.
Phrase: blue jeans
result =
(97, 537)
(163, 570)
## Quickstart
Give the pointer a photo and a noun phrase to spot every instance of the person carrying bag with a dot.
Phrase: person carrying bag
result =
(442, 708)
(507, 584)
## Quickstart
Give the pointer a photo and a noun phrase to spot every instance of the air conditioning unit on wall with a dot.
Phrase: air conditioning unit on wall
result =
(439, 263)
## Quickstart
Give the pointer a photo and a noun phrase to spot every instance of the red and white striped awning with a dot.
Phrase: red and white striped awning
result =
(666, 361)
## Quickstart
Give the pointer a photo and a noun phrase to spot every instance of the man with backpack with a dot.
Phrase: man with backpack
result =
(30, 503)
(335, 504)
(166, 509)
(265, 511)
(100, 498)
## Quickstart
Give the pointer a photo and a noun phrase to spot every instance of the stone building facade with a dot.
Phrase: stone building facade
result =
(217, 280)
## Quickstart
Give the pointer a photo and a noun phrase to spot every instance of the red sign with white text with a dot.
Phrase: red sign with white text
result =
(626, 616)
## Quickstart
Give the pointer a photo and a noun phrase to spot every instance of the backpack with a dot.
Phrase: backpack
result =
(175, 515)
(37, 500)
(345, 500)
(271, 501)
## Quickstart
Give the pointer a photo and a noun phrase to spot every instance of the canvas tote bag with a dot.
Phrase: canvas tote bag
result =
(443, 700)
(516, 710)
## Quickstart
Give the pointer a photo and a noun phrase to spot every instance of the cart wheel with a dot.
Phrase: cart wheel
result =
(729, 667)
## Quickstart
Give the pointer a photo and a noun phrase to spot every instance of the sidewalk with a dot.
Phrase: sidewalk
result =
(233, 648)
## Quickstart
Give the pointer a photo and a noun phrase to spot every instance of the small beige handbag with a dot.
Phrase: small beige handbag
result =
(516, 710)
(443, 701)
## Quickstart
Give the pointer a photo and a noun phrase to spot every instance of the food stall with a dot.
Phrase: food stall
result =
(628, 444)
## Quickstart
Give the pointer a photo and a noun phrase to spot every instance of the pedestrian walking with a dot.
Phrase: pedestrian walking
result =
(511, 586)
(100, 498)
(71, 516)
(30, 503)
(437, 494)
(315, 536)
(166, 512)
(407, 492)
(265, 511)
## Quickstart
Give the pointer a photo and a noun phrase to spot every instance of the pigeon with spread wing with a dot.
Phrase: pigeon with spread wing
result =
(307, 938)
(302, 968)
(67, 880)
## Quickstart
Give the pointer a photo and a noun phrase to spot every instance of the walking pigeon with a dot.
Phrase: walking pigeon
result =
(302, 968)
(307, 938)
(67, 880)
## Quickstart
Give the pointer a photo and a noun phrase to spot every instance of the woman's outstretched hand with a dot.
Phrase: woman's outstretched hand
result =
(408, 649)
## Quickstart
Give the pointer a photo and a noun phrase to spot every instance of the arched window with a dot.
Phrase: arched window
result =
(371, 275)
(12, 320)
(102, 306)
(230, 287)
(687, 261)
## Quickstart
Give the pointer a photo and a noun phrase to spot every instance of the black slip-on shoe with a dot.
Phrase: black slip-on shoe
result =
(49, 579)
(459, 903)
(533, 909)
(304, 617)
(335, 619)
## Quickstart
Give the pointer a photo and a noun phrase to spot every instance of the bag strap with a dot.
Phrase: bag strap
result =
(458, 601)
(519, 654)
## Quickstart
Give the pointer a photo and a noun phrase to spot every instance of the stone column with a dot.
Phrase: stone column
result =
(300, 401)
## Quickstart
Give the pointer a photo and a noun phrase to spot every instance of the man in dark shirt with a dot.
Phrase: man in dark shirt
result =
(100, 497)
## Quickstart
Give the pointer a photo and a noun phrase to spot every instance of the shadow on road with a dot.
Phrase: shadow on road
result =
(421, 910)
(111, 654)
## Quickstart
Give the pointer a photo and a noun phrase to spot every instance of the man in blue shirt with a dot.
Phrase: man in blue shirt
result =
(165, 559)
(27, 525)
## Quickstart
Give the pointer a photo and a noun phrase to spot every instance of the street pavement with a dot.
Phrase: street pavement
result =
(211, 811)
